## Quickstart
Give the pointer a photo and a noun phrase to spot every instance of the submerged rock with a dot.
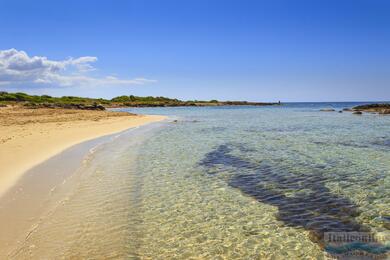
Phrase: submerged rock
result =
(357, 113)
(327, 110)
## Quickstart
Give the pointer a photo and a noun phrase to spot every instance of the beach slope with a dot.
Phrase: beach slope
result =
(31, 136)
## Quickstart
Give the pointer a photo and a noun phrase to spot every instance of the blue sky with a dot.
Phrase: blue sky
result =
(330, 50)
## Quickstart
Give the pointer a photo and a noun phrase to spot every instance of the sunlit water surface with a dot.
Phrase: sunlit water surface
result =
(225, 183)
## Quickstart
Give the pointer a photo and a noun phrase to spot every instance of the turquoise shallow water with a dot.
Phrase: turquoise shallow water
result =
(228, 183)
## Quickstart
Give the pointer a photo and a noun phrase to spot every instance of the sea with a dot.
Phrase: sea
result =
(226, 182)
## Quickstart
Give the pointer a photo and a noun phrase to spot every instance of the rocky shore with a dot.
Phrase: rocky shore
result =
(378, 108)
(383, 108)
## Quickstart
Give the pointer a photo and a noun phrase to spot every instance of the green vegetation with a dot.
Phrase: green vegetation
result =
(45, 101)
(146, 101)
(23, 97)
(35, 101)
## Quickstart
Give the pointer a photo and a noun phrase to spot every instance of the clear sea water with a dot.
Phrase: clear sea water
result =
(225, 183)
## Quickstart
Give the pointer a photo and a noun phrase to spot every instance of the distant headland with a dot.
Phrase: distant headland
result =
(73, 102)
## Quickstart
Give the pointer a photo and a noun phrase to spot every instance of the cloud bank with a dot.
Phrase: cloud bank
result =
(17, 67)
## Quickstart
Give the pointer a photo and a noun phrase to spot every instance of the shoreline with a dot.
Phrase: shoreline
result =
(30, 137)
(41, 190)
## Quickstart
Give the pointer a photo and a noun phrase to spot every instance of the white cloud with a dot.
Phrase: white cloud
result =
(17, 67)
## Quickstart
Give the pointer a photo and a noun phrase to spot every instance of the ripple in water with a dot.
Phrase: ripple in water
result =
(317, 210)
(238, 183)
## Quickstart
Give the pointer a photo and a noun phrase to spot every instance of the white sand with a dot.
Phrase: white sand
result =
(29, 137)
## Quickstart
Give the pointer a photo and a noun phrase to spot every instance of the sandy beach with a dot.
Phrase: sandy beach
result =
(31, 136)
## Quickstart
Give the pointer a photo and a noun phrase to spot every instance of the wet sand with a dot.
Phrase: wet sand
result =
(41, 151)
(38, 192)
(57, 187)
(31, 136)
